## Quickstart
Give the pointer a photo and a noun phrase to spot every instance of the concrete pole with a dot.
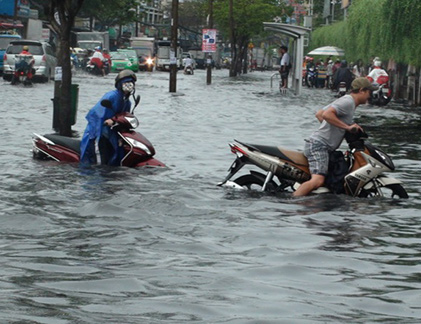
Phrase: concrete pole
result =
(209, 58)
(173, 53)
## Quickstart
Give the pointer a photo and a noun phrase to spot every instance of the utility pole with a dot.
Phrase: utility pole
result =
(137, 20)
(173, 51)
(333, 10)
(233, 66)
(15, 14)
(209, 69)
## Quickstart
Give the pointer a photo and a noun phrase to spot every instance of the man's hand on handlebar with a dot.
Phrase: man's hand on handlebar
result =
(109, 122)
(355, 128)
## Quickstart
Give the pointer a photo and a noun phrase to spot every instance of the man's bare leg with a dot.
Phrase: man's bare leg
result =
(307, 187)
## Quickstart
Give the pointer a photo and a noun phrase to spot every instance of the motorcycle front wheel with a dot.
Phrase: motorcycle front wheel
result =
(252, 182)
(388, 191)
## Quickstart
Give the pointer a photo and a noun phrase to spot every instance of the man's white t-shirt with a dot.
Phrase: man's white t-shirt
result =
(331, 135)
(285, 59)
(188, 61)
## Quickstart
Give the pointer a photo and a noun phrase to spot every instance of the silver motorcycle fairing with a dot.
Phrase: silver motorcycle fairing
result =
(356, 180)
(383, 181)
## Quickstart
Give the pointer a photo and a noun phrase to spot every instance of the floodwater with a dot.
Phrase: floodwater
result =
(118, 245)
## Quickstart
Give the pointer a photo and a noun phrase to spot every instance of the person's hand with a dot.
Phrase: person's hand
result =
(354, 128)
(109, 122)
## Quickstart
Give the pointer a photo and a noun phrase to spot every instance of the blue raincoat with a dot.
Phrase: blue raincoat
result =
(96, 128)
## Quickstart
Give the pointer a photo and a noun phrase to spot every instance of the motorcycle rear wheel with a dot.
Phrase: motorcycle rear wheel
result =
(252, 182)
(389, 191)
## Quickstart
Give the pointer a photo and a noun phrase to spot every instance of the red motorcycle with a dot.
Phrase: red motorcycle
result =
(24, 70)
(138, 150)
(383, 95)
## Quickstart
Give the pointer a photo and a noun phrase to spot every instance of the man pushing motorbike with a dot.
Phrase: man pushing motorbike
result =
(335, 119)
(98, 135)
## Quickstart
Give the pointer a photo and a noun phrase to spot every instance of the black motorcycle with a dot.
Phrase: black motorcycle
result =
(382, 96)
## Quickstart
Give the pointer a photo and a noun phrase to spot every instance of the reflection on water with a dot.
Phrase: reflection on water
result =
(118, 245)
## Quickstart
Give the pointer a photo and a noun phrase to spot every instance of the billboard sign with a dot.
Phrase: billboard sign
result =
(24, 8)
(7, 8)
(209, 40)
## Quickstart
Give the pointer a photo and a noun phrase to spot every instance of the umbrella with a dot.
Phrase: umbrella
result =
(327, 50)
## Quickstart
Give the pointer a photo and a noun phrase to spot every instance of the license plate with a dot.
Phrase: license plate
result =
(342, 89)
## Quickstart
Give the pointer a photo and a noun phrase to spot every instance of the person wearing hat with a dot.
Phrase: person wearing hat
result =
(24, 65)
(98, 60)
(377, 74)
(335, 119)
(98, 135)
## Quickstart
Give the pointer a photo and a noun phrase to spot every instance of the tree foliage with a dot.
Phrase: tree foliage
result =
(110, 12)
(389, 29)
(249, 15)
(193, 14)
(247, 21)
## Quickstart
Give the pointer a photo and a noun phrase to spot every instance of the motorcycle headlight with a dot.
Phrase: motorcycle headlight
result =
(149, 61)
(133, 121)
(139, 145)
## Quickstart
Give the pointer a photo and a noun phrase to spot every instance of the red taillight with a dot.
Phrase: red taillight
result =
(5, 57)
(22, 73)
(43, 60)
(235, 149)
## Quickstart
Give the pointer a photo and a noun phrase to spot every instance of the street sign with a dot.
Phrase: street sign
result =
(209, 40)
(58, 75)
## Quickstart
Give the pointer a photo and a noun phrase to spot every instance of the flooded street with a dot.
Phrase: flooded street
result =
(119, 245)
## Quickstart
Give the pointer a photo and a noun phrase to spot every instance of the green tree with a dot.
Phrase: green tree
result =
(62, 14)
(110, 12)
(402, 30)
(193, 14)
(246, 21)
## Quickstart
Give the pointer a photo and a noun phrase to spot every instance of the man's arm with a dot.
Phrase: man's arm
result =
(332, 118)
(319, 115)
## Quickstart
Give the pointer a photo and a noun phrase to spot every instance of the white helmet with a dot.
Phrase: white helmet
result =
(377, 63)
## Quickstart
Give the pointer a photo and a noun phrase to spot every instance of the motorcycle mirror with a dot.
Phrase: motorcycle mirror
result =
(136, 102)
(107, 103)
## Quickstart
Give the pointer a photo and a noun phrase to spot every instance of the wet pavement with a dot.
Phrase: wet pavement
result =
(119, 245)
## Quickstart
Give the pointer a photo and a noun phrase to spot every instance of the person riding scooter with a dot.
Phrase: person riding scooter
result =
(24, 62)
(343, 74)
(98, 133)
(188, 64)
(377, 75)
(380, 78)
(98, 60)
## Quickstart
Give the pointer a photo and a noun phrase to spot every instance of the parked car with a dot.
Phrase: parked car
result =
(132, 55)
(120, 61)
(5, 40)
(45, 59)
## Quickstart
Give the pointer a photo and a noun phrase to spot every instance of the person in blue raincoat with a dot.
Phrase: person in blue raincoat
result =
(98, 135)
